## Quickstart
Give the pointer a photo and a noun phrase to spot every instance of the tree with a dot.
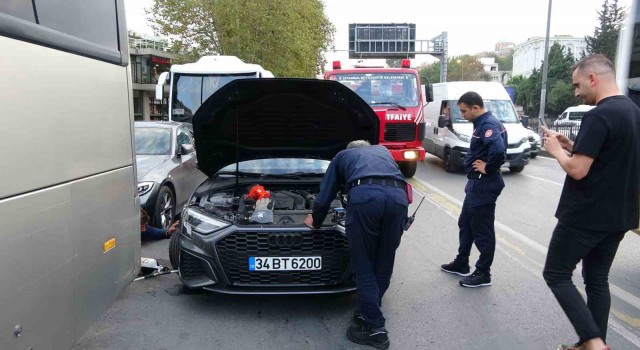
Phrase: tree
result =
(431, 71)
(605, 36)
(394, 62)
(287, 37)
(560, 97)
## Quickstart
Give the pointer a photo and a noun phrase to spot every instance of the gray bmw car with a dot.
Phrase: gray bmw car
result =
(265, 145)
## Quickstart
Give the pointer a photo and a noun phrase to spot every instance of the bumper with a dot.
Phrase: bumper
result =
(518, 159)
(457, 156)
(220, 264)
(535, 147)
(399, 155)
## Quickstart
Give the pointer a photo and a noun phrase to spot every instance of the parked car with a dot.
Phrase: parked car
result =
(275, 136)
(535, 141)
(166, 167)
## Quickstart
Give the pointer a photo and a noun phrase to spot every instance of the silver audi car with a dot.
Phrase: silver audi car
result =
(265, 145)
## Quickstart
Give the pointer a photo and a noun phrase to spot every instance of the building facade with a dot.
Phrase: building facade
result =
(150, 56)
(530, 54)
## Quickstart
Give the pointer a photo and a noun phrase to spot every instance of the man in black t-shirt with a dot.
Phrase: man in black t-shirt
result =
(599, 201)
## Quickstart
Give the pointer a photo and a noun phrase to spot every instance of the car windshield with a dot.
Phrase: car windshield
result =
(153, 141)
(501, 109)
(576, 115)
(279, 166)
(191, 90)
(382, 88)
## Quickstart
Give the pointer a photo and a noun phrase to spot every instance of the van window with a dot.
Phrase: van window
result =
(576, 115)
(501, 109)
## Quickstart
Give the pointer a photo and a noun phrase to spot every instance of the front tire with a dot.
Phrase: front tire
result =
(516, 169)
(448, 162)
(165, 208)
(174, 250)
(408, 169)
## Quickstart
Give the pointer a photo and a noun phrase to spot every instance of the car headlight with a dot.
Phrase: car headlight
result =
(193, 220)
(462, 137)
(144, 187)
(524, 139)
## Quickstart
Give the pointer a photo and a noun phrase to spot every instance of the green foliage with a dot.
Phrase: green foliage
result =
(560, 97)
(559, 86)
(287, 37)
(432, 72)
(605, 36)
(394, 62)
(460, 68)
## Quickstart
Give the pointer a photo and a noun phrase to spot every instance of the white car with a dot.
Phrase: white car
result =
(535, 141)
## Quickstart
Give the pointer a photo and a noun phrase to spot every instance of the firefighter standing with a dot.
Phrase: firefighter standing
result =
(376, 211)
(482, 164)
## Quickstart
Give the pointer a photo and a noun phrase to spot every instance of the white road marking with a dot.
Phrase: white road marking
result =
(545, 180)
(620, 293)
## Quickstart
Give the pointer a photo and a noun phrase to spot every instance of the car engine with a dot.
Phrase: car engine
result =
(287, 206)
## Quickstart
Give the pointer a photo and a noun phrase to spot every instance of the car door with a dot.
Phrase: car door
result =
(182, 174)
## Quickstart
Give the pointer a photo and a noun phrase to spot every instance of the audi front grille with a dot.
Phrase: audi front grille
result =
(234, 252)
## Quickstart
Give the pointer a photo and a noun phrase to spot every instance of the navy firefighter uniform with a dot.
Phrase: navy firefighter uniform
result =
(489, 144)
(377, 206)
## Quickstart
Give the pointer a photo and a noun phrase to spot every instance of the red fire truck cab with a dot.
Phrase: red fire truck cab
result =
(396, 97)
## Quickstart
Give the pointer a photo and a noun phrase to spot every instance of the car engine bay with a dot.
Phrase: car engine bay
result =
(253, 204)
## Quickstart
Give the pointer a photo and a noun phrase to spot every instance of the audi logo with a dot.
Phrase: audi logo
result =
(287, 240)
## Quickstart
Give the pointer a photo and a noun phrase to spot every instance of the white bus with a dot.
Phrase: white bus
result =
(628, 56)
(191, 84)
(69, 209)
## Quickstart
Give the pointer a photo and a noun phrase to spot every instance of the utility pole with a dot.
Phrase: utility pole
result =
(545, 66)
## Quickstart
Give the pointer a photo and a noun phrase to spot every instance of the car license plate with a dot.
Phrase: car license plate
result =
(285, 263)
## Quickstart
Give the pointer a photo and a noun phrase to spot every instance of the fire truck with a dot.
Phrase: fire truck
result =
(395, 94)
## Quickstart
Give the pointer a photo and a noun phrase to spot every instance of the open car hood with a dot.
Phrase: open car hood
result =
(279, 118)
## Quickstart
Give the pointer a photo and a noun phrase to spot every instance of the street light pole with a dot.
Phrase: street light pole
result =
(545, 66)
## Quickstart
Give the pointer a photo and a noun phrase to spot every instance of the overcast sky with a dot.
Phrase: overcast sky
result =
(473, 26)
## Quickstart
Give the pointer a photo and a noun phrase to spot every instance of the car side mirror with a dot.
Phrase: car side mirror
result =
(443, 122)
(186, 149)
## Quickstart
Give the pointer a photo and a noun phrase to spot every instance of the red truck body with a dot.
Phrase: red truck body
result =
(396, 97)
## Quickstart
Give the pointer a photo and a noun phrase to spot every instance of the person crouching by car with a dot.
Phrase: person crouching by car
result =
(149, 232)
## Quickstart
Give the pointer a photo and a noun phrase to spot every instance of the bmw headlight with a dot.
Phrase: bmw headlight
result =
(144, 187)
(201, 223)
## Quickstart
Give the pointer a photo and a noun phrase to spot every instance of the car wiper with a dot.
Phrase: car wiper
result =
(390, 103)
(238, 173)
(296, 175)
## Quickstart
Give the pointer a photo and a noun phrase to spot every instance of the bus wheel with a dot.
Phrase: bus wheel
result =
(408, 169)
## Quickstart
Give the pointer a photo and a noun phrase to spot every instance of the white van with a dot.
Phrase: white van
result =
(451, 142)
(572, 115)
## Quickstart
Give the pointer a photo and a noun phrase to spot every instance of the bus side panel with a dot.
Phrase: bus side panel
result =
(101, 276)
(67, 114)
(39, 261)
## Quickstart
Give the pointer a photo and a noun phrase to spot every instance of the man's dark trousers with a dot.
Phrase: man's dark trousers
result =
(476, 226)
(597, 250)
(374, 229)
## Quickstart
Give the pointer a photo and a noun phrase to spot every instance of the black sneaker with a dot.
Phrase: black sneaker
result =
(365, 334)
(457, 267)
(477, 279)
(357, 317)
